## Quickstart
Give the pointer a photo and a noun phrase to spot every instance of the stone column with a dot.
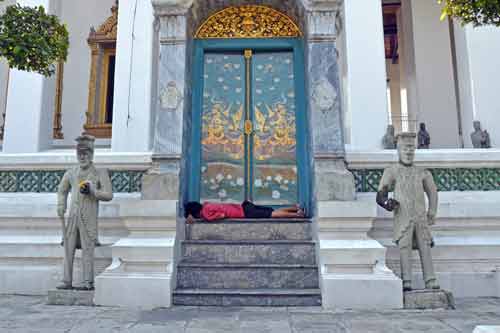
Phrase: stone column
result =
(28, 122)
(366, 87)
(333, 181)
(132, 109)
(162, 181)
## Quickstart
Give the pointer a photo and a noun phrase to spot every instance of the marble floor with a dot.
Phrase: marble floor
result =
(30, 314)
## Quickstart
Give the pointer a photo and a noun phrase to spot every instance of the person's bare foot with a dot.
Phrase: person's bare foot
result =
(190, 219)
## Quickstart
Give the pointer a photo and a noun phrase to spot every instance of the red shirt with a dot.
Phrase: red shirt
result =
(218, 211)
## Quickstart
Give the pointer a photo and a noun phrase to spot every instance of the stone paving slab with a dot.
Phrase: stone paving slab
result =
(31, 314)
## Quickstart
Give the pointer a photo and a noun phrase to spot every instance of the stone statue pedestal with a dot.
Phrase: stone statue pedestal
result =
(429, 299)
(71, 297)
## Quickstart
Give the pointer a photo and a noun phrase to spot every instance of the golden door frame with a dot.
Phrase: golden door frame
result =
(103, 45)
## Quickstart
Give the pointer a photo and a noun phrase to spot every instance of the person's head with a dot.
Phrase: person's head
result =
(406, 148)
(192, 208)
(85, 150)
(390, 129)
(422, 126)
(477, 125)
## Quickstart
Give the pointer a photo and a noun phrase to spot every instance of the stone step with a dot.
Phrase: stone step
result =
(237, 276)
(244, 297)
(250, 229)
(249, 252)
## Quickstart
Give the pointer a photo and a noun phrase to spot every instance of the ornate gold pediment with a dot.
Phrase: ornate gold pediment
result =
(107, 30)
(251, 21)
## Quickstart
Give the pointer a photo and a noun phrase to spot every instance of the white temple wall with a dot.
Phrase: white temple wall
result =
(79, 16)
(480, 70)
(133, 78)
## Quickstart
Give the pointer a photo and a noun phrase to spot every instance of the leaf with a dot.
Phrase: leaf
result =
(32, 40)
(443, 16)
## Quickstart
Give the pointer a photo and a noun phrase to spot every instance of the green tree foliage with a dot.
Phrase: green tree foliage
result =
(31, 40)
(476, 12)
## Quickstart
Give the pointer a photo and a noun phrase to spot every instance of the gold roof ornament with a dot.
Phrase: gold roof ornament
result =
(251, 21)
(106, 31)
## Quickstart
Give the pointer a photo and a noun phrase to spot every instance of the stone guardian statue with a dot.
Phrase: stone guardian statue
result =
(88, 186)
(411, 217)
(480, 138)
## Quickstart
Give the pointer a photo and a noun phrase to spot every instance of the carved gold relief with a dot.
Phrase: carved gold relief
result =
(248, 22)
(107, 30)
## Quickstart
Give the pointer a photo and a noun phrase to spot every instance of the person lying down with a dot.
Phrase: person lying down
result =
(211, 211)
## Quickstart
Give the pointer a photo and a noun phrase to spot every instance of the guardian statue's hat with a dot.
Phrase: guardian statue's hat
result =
(407, 137)
(85, 142)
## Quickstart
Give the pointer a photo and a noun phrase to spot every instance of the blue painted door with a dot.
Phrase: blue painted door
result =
(248, 128)
(247, 143)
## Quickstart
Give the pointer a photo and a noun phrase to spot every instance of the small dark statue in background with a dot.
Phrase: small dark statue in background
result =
(480, 138)
(389, 139)
(424, 138)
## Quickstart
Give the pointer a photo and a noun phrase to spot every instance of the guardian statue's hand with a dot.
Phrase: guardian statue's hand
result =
(391, 205)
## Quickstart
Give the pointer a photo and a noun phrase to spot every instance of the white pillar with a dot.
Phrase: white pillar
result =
(478, 55)
(133, 78)
(429, 71)
(366, 73)
(28, 123)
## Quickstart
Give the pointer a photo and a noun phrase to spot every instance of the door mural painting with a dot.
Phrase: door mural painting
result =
(249, 123)
(248, 141)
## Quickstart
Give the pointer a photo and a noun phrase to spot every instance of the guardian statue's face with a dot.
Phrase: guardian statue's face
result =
(406, 152)
(85, 158)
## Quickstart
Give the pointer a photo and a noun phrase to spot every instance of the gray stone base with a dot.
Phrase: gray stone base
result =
(333, 181)
(160, 186)
(428, 299)
(70, 297)
(248, 297)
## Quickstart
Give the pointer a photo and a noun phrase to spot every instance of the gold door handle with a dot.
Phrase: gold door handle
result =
(248, 127)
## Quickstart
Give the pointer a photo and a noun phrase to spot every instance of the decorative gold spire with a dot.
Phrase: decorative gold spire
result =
(253, 21)
(107, 30)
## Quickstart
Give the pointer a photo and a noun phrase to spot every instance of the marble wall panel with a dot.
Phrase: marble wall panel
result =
(170, 105)
(324, 98)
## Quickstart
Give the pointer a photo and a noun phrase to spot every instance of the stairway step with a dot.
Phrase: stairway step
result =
(238, 276)
(249, 252)
(276, 229)
(245, 297)
(250, 221)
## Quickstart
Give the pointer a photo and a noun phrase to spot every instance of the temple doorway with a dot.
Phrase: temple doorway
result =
(249, 111)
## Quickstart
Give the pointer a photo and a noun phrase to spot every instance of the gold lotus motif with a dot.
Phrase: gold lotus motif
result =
(253, 21)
